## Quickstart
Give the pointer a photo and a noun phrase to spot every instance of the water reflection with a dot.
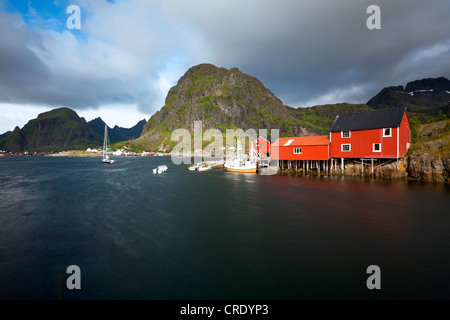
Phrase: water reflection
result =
(216, 234)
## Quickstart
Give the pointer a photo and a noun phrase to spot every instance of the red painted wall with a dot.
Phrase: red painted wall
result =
(405, 136)
(362, 142)
(308, 153)
(263, 146)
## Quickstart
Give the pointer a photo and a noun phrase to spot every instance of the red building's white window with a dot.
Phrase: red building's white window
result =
(346, 147)
(387, 132)
(297, 150)
(345, 134)
(377, 147)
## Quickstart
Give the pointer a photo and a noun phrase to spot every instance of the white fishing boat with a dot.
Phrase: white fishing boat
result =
(242, 165)
(193, 167)
(106, 159)
(204, 168)
(237, 161)
(160, 169)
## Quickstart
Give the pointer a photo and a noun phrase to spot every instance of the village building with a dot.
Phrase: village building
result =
(375, 137)
(306, 153)
(370, 139)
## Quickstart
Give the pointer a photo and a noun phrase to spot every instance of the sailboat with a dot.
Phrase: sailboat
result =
(106, 159)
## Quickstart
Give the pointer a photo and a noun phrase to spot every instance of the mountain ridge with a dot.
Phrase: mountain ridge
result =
(53, 130)
(222, 99)
(117, 134)
(425, 98)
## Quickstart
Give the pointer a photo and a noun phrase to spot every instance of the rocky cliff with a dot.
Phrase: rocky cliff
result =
(429, 159)
(221, 99)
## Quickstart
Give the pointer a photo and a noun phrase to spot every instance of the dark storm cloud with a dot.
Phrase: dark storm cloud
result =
(26, 76)
(306, 52)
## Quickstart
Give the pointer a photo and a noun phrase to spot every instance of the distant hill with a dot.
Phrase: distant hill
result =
(221, 99)
(319, 119)
(424, 98)
(55, 130)
(4, 135)
(117, 133)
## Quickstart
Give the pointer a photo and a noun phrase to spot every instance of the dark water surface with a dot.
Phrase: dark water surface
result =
(215, 235)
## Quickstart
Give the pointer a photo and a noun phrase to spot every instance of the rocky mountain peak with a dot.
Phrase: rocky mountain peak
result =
(435, 84)
(220, 98)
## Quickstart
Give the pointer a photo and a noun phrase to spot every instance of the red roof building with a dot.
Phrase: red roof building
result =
(262, 147)
(378, 135)
(301, 148)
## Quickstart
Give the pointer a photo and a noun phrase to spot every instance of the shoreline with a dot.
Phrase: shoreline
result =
(397, 175)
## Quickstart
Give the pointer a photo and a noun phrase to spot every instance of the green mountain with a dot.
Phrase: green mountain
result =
(4, 135)
(59, 129)
(117, 133)
(221, 99)
(424, 99)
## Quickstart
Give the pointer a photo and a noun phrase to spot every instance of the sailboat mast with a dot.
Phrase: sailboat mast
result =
(104, 141)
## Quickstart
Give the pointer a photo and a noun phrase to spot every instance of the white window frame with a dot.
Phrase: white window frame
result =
(373, 147)
(349, 134)
(296, 151)
(390, 132)
(346, 144)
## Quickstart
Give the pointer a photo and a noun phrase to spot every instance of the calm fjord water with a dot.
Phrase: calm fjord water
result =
(215, 235)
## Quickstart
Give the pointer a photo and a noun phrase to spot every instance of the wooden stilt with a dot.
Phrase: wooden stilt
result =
(342, 165)
(372, 166)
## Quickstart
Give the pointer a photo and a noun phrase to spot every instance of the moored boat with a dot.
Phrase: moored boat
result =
(237, 161)
(240, 165)
(106, 159)
(204, 168)
(193, 167)
(160, 169)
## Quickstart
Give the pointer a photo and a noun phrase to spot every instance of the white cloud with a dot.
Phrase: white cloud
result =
(18, 115)
(350, 95)
(122, 115)
(435, 51)
(131, 52)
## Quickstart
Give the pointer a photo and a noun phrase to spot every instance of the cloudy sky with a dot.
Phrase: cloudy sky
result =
(128, 53)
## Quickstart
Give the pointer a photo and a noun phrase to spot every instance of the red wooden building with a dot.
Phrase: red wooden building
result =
(373, 135)
(262, 147)
(301, 148)
(307, 152)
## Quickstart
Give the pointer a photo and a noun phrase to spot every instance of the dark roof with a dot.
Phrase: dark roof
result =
(369, 120)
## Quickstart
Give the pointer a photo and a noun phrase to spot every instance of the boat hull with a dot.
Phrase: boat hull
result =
(242, 170)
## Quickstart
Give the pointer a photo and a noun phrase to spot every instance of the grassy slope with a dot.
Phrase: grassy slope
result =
(319, 119)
